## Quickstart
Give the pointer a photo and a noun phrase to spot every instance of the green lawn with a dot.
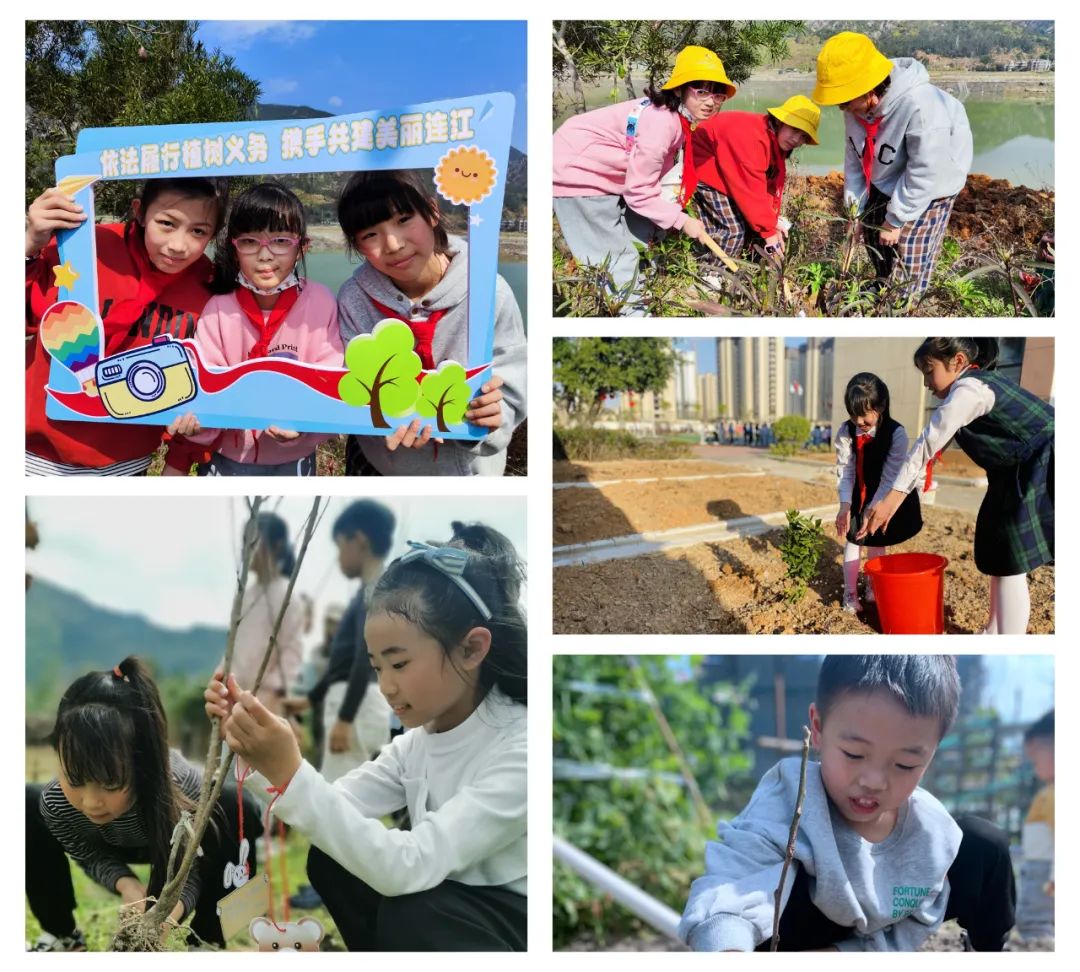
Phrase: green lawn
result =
(97, 911)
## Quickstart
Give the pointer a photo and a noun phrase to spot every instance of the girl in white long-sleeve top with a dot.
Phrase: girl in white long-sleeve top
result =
(447, 638)
(870, 449)
(1010, 433)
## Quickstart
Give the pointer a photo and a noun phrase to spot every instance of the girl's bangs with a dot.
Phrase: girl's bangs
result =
(255, 212)
(378, 200)
(94, 743)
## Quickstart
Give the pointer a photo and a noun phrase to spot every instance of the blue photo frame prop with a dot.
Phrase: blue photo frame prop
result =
(466, 141)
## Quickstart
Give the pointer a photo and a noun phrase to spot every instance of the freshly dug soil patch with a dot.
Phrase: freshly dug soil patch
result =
(565, 471)
(739, 587)
(611, 511)
(987, 211)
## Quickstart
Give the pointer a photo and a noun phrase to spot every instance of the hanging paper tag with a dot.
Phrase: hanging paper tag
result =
(239, 907)
(294, 936)
(236, 875)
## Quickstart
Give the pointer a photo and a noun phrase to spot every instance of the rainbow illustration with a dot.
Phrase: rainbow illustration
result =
(71, 333)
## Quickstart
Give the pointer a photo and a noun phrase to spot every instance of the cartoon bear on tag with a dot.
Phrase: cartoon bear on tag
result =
(294, 936)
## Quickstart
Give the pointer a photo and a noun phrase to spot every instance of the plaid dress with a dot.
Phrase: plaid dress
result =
(1014, 443)
(723, 222)
(918, 247)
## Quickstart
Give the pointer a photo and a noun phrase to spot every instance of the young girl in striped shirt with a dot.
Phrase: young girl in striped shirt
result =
(116, 800)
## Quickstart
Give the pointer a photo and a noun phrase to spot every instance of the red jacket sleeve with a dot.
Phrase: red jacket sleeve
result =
(744, 162)
(41, 289)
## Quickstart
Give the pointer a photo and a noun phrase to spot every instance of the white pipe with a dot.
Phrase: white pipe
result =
(631, 897)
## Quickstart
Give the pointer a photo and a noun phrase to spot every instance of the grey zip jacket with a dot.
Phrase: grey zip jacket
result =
(454, 457)
(891, 894)
(923, 148)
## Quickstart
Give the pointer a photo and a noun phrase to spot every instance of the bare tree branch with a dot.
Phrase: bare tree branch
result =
(792, 833)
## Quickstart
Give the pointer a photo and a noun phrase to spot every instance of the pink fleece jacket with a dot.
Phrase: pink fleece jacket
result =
(590, 158)
(309, 333)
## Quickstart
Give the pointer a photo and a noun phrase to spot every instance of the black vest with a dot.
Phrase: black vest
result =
(907, 521)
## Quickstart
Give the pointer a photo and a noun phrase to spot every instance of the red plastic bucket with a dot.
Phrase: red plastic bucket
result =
(910, 592)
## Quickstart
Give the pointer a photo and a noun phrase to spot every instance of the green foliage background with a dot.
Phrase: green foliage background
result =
(647, 830)
(589, 370)
(96, 73)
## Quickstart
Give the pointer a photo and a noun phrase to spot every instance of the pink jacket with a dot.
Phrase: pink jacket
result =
(309, 333)
(590, 158)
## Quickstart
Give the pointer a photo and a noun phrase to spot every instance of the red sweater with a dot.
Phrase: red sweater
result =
(173, 311)
(736, 153)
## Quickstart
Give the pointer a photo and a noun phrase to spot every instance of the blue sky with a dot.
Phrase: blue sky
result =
(97, 545)
(346, 66)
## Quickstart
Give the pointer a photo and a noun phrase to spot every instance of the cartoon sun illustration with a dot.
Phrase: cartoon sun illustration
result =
(466, 175)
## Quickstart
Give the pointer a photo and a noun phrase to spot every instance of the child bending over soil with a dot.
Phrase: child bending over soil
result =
(879, 863)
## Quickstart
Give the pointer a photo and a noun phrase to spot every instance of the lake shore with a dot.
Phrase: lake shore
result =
(328, 239)
(1016, 84)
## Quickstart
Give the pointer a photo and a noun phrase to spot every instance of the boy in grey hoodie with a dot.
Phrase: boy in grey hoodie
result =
(879, 863)
(415, 272)
(908, 152)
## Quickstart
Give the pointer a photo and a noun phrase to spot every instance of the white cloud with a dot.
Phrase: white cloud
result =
(334, 101)
(279, 86)
(239, 35)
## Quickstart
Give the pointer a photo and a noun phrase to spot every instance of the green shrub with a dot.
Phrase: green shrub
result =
(793, 429)
(783, 449)
(644, 825)
(595, 445)
(801, 551)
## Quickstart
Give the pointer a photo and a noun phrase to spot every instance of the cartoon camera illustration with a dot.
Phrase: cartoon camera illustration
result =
(146, 380)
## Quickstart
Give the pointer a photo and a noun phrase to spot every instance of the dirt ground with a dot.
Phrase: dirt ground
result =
(738, 588)
(591, 472)
(580, 515)
(952, 463)
(987, 211)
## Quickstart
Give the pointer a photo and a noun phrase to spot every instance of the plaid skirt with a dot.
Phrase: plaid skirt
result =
(1014, 532)
(917, 251)
(723, 222)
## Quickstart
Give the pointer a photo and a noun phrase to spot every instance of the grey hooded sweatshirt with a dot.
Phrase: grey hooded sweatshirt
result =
(454, 457)
(891, 894)
(923, 148)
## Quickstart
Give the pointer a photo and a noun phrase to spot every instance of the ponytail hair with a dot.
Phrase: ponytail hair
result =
(274, 535)
(424, 596)
(111, 730)
(979, 351)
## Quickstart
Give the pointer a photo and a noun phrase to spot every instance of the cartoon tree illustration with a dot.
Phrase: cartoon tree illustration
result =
(383, 368)
(444, 395)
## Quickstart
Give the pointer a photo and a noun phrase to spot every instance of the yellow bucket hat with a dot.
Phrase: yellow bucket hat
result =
(848, 65)
(698, 64)
(801, 113)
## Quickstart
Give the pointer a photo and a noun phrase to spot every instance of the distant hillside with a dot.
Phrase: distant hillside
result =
(277, 112)
(949, 38)
(67, 634)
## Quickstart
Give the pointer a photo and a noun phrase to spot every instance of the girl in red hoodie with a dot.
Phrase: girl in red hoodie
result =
(153, 279)
(740, 160)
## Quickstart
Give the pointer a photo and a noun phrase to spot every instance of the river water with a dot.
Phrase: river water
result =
(333, 268)
(1013, 132)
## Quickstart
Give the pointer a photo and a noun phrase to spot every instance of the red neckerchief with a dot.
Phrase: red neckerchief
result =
(689, 170)
(423, 331)
(123, 314)
(937, 458)
(860, 444)
(871, 128)
(266, 327)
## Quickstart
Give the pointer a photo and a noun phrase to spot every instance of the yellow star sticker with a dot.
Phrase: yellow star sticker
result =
(65, 275)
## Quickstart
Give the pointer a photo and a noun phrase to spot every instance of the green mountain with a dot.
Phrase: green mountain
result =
(66, 635)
